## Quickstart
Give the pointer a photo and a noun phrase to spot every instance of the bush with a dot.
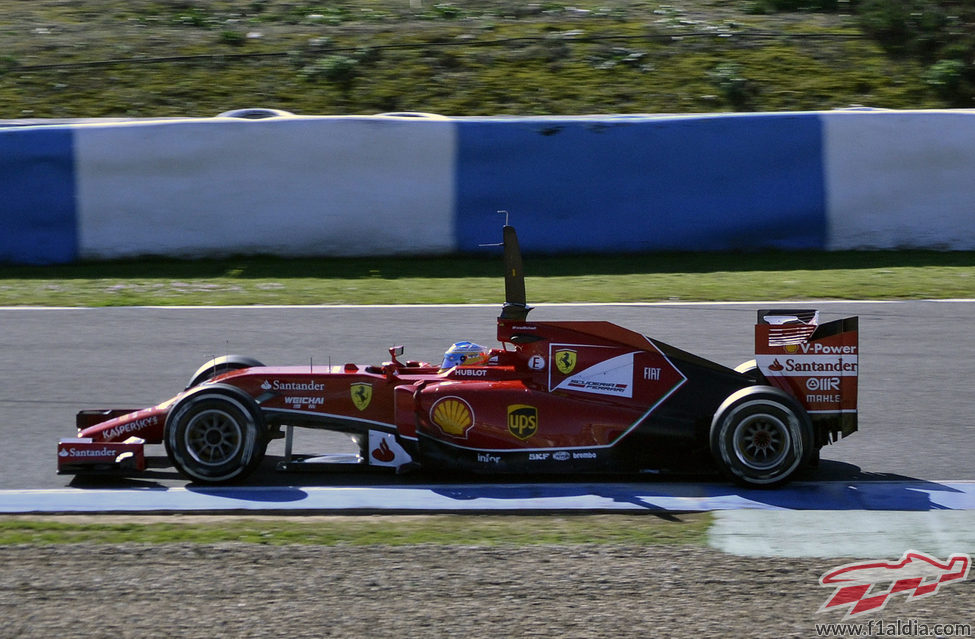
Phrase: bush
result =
(913, 27)
(339, 69)
(733, 86)
(231, 37)
(936, 32)
(8, 63)
(774, 6)
(947, 78)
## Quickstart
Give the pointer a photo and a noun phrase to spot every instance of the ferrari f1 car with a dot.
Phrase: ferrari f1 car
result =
(556, 397)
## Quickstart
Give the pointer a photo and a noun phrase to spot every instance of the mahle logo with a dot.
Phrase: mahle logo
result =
(522, 420)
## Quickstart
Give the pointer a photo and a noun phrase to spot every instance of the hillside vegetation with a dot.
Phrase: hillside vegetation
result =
(95, 58)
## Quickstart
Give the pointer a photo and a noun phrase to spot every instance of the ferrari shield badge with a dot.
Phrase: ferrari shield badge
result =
(361, 394)
(565, 360)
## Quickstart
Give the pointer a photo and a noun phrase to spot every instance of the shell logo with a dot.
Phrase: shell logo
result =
(452, 415)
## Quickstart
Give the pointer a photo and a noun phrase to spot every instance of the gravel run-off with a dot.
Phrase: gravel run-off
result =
(252, 590)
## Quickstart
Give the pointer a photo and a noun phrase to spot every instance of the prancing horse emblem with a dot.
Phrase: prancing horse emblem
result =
(565, 360)
(361, 394)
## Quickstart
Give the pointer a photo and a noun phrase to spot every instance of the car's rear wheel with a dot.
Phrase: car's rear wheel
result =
(750, 369)
(221, 365)
(215, 437)
(760, 436)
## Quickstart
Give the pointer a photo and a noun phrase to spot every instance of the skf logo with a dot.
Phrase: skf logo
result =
(565, 360)
(522, 420)
(361, 394)
(452, 415)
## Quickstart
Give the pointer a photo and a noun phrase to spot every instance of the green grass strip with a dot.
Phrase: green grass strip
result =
(391, 530)
(464, 280)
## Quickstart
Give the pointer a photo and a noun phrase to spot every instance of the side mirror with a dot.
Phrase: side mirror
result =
(394, 352)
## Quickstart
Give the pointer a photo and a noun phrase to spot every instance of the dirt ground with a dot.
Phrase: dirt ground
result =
(247, 590)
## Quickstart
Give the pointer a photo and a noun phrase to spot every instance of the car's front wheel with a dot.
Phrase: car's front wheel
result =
(219, 366)
(215, 437)
(760, 436)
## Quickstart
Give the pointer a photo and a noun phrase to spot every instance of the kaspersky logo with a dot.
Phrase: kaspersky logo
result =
(867, 586)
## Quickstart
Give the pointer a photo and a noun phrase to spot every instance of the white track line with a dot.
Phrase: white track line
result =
(493, 305)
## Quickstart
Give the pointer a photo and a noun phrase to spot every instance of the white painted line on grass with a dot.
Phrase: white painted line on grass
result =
(810, 303)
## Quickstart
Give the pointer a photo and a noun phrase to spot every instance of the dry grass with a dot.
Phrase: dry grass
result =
(487, 57)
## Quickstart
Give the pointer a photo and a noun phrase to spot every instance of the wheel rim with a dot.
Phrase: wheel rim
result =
(762, 441)
(213, 437)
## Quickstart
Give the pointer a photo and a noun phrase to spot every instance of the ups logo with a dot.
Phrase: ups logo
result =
(522, 420)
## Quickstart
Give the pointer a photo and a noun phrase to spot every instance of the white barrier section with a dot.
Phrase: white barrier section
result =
(897, 179)
(288, 186)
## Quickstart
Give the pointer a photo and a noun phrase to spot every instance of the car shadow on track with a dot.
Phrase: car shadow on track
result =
(830, 486)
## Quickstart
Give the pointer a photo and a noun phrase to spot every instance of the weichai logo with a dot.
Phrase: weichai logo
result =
(522, 420)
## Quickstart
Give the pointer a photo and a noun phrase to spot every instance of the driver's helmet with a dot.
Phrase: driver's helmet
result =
(465, 354)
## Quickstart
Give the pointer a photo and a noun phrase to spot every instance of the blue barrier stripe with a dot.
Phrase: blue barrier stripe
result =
(644, 184)
(37, 196)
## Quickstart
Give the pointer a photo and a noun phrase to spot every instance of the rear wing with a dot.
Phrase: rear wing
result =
(815, 363)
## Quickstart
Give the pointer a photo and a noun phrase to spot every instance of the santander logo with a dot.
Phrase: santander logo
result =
(383, 453)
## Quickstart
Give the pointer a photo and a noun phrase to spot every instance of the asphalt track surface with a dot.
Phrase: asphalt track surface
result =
(916, 366)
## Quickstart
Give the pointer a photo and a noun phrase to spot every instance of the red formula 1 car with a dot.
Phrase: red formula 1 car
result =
(557, 397)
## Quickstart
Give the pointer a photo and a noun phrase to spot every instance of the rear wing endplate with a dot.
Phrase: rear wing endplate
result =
(818, 364)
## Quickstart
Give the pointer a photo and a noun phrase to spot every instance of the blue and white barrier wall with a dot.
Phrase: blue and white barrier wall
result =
(382, 185)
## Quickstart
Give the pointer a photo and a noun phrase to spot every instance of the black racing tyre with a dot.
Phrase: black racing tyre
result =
(751, 371)
(215, 436)
(221, 365)
(761, 436)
